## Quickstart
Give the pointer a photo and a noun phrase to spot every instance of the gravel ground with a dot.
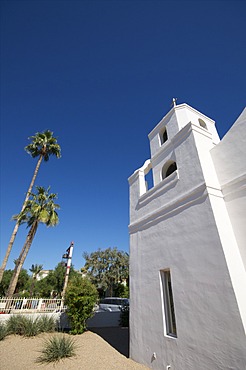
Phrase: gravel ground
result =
(92, 353)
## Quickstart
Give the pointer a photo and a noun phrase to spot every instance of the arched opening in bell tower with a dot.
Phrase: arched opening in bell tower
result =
(168, 169)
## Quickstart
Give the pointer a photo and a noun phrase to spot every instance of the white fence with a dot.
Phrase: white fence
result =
(55, 308)
(31, 305)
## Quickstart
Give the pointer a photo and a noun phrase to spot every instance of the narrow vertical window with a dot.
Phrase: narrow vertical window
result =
(163, 135)
(149, 179)
(168, 303)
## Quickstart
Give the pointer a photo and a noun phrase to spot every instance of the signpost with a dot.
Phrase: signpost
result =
(68, 257)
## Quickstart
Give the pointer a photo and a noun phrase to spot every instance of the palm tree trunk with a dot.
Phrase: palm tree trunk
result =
(32, 287)
(21, 259)
(12, 239)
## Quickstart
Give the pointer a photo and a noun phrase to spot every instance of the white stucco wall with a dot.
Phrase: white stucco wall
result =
(173, 226)
(229, 159)
(209, 329)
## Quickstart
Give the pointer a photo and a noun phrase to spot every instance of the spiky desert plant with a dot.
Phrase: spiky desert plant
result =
(46, 324)
(16, 324)
(57, 348)
(29, 327)
(3, 330)
(22, 325)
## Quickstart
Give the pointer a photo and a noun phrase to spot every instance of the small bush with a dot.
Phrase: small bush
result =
(3, 330)
(57, 348)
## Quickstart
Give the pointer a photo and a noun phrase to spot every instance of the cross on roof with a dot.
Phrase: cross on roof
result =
(174, 102)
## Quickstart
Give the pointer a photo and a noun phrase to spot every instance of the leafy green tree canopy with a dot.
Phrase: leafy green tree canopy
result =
(106, 268)
(40, 208)
(22, 284)
(35, 270)
(43, 144)
(53, 283)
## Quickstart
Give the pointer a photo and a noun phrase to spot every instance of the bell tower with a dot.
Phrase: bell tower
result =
(186, 271)
(179, 146)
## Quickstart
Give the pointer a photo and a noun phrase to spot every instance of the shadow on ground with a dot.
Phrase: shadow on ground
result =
(117, 337)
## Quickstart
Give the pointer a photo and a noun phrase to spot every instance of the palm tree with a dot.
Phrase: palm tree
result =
(40, 209)
(43, 145)
(35, 270)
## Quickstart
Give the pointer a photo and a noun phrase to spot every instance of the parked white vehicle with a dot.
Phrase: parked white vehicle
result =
(113, 303)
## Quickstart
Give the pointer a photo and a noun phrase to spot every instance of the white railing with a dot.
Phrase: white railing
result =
(31, 305)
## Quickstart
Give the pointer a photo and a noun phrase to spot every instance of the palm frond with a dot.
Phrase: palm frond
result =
(44, 144)
(40, 208)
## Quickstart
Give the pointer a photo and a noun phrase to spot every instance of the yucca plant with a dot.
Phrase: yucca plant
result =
(57, 348)
(46, 324)
(22, 325)
(29, 327)
(3, 330)
(16, 324)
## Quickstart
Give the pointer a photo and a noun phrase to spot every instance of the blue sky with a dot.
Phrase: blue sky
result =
(101, 75)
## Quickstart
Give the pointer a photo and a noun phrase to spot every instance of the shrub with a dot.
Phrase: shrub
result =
(3, 330)
(56, 348)
(81, 297)
(121, 291)
(124, 316)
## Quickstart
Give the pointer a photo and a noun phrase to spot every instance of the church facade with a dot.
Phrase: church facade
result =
(188, 246)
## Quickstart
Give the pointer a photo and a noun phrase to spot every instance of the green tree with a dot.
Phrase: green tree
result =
(43, 288)
(43, 145)
(22, 284)
(54, 282)
(106, 268)
(35, 270)
(40, 209)
(80, 297)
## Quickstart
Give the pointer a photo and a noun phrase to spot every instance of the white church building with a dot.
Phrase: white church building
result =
(188, 246)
